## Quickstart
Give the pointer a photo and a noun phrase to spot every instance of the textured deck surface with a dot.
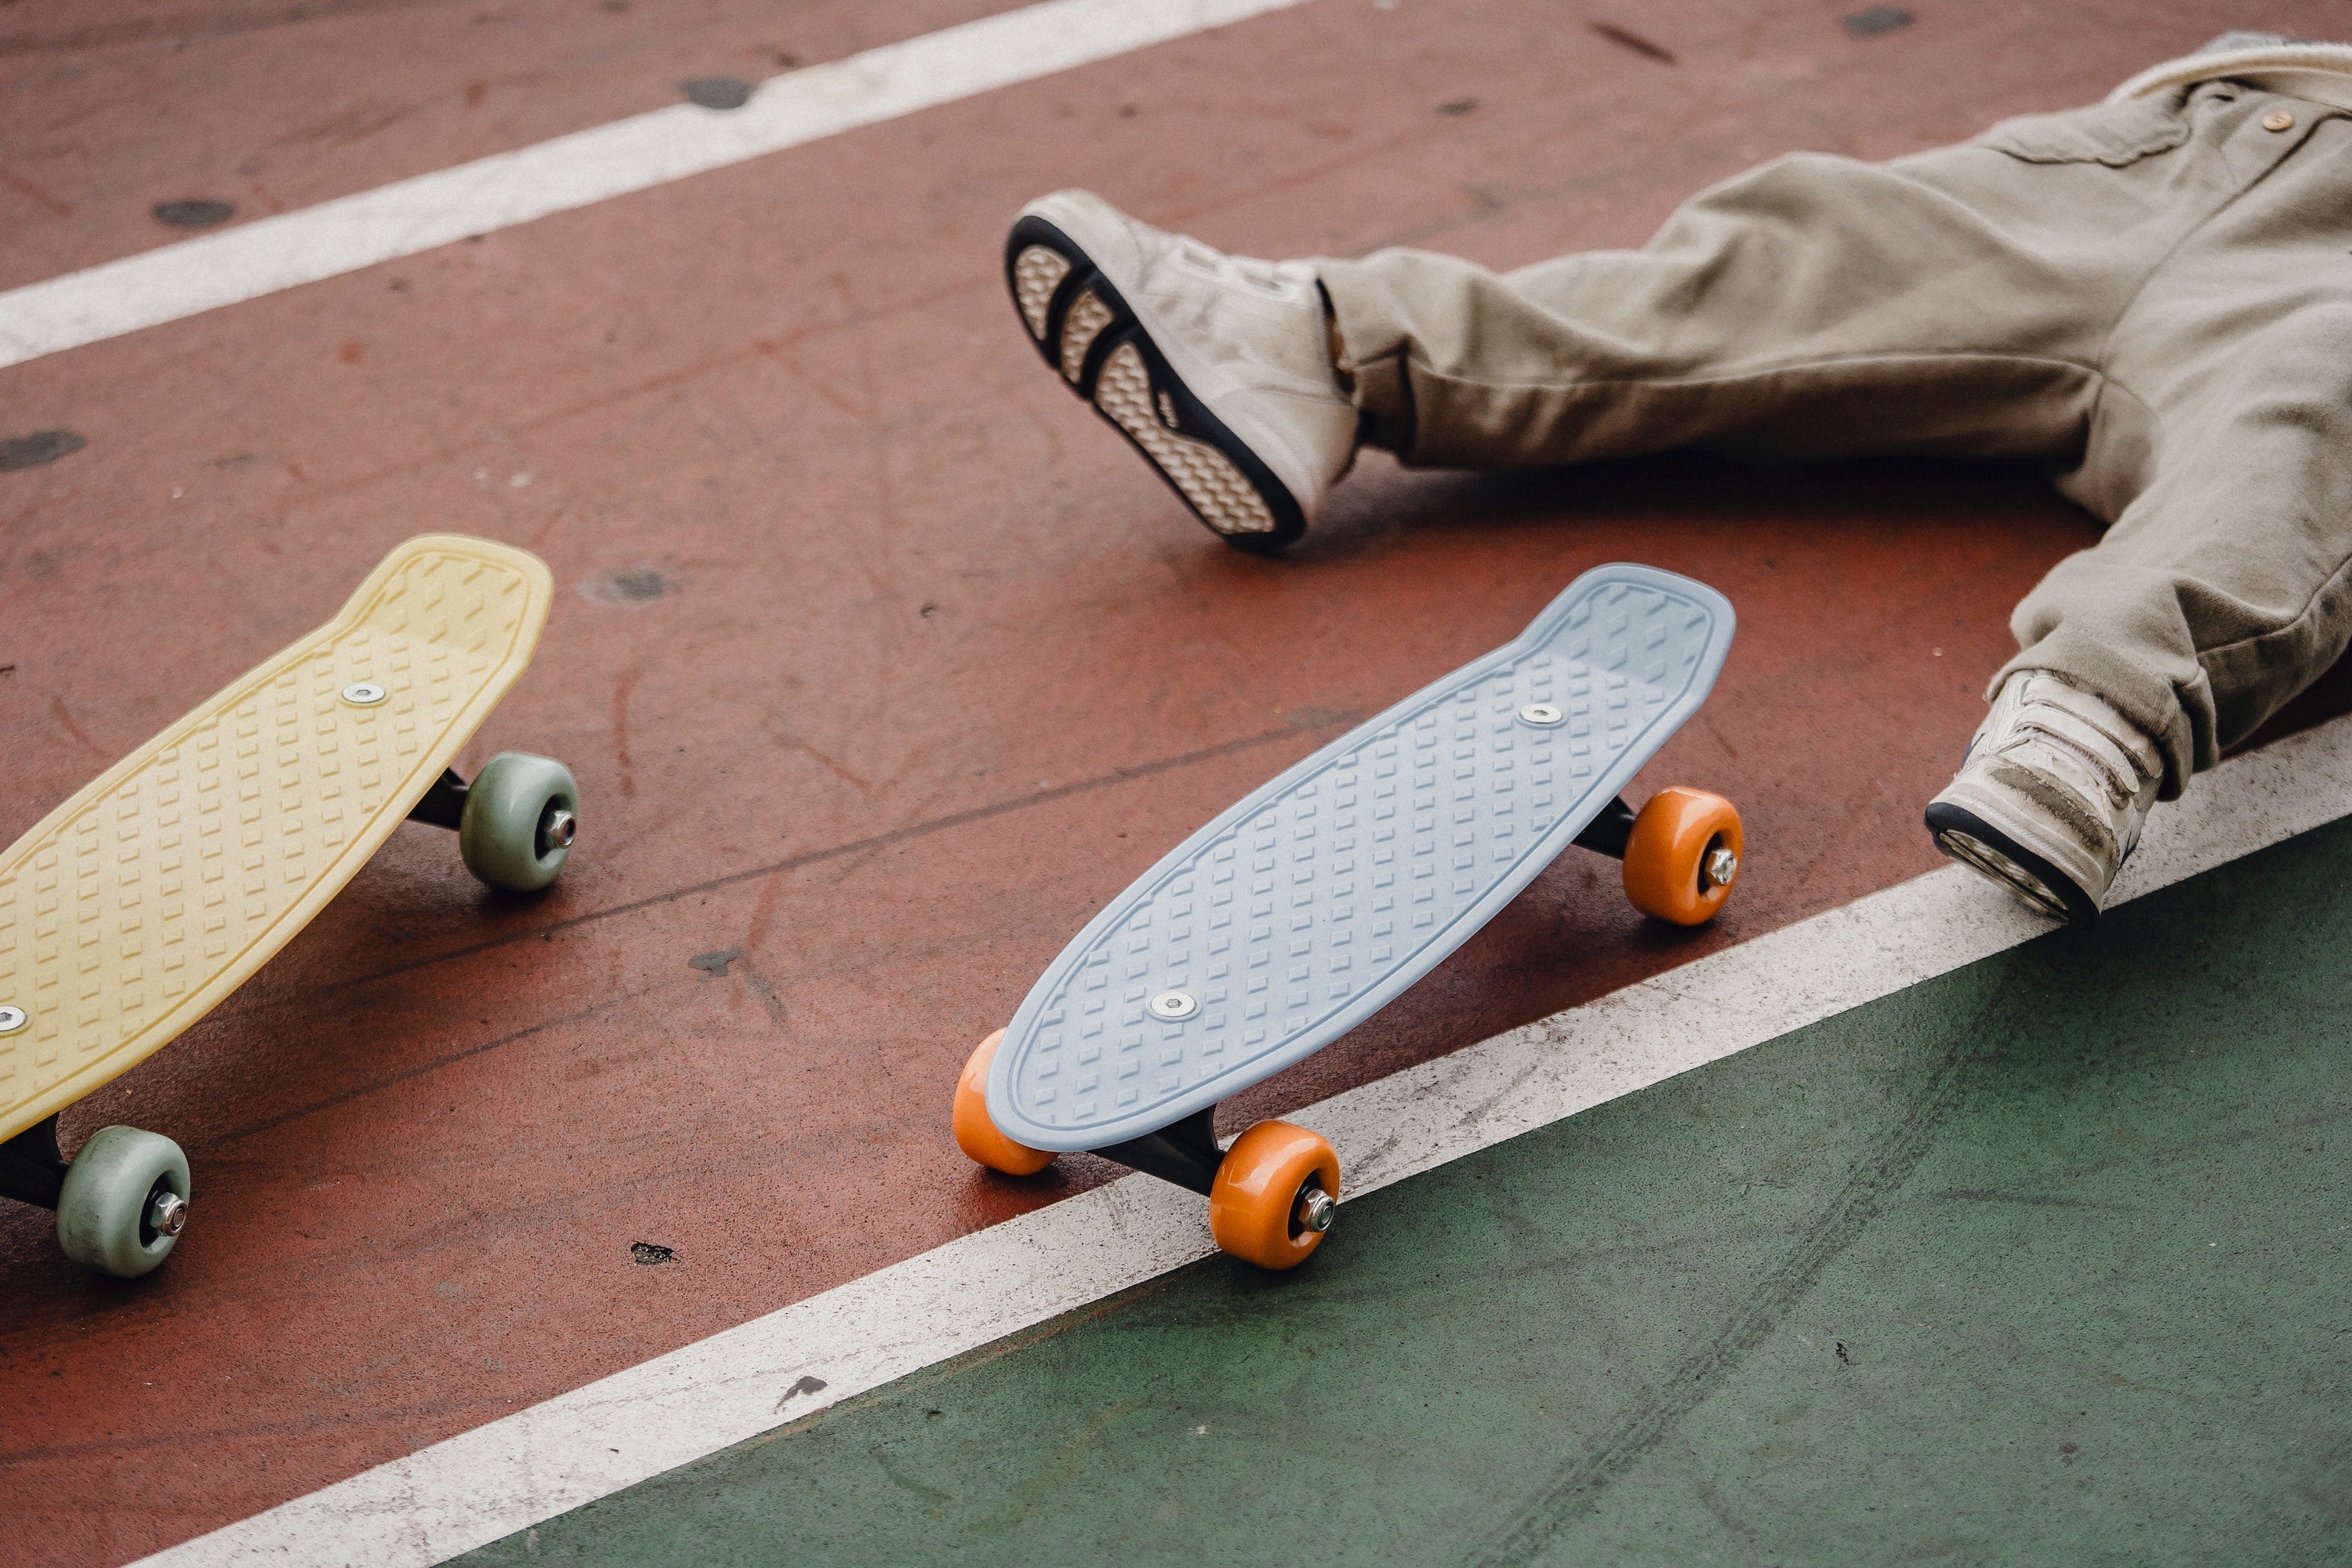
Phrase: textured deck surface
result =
(158, 889)
(1304, 907)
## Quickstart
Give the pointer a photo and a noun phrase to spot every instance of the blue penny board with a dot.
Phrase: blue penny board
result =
(1309, 905)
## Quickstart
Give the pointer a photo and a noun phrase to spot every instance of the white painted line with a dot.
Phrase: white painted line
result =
(670, 1411)
(634, 154)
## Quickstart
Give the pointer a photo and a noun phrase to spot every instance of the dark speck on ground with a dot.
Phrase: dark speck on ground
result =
(717, 91)
(1876, 19)
(636, 586)
(193, 212)
(40, 447)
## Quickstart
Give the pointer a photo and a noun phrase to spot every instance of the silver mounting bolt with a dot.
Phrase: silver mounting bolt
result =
(558, 828)
(1542, 715)
(364, 693)
(1314, 1211)
(167, 1212)
(1720, 865)
(13, 1018)
(1171, 1005)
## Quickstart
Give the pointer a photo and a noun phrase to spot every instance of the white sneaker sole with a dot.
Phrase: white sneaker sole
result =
(1083, 328)
(1994, 854)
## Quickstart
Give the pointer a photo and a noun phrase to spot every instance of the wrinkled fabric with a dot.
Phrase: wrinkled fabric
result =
(2152, 295)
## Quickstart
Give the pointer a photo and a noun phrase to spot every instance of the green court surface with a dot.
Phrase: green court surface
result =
(2045, 1262)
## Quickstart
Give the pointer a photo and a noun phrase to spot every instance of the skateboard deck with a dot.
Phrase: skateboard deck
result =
(131, 909)
(1310, 904)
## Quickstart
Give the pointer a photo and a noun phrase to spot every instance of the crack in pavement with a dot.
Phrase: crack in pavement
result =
(859, 847)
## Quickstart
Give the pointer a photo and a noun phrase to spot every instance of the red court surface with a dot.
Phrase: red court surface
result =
(880, 662)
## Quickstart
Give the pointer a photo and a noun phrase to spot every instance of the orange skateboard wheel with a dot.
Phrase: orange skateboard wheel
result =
(976, 1133)
(1682, 855)
(1260, 1207)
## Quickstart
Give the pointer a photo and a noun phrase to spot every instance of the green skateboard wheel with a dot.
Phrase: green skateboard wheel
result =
(520, 814)
(124, 1203)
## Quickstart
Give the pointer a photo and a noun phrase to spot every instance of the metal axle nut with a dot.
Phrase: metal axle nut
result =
(1314, 1211)
(167, 1212)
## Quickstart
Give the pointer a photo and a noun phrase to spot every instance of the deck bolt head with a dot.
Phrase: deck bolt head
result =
(167, 1212)
(1721, 865)
(1314, 1211)
(1542, 715)
(364, 693)
(1171, 1005)
(13, 1018)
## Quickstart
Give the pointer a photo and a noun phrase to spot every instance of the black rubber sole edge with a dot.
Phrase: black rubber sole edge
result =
(1193, 419)
(1944, 817)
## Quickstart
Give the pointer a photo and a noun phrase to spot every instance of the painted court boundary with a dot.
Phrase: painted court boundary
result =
(592, 1442)
(588, 167)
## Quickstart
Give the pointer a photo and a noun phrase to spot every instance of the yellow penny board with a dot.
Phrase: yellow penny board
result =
(128, 912)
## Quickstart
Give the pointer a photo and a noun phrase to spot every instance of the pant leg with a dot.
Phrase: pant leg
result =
(2225, 586)
(1953, 302)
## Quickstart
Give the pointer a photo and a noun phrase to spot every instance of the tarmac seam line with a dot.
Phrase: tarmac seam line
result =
(1130, 774)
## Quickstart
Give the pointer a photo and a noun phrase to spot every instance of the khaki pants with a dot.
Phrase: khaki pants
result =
(2153, 296)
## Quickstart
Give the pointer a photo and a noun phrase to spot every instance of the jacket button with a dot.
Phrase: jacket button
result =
(2278, 120)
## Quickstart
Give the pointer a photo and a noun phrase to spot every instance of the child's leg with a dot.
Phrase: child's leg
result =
(2225, 588)
(1957, 301)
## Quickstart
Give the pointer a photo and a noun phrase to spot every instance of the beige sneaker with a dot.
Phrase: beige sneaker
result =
(1217, 367)
(2051, 797)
